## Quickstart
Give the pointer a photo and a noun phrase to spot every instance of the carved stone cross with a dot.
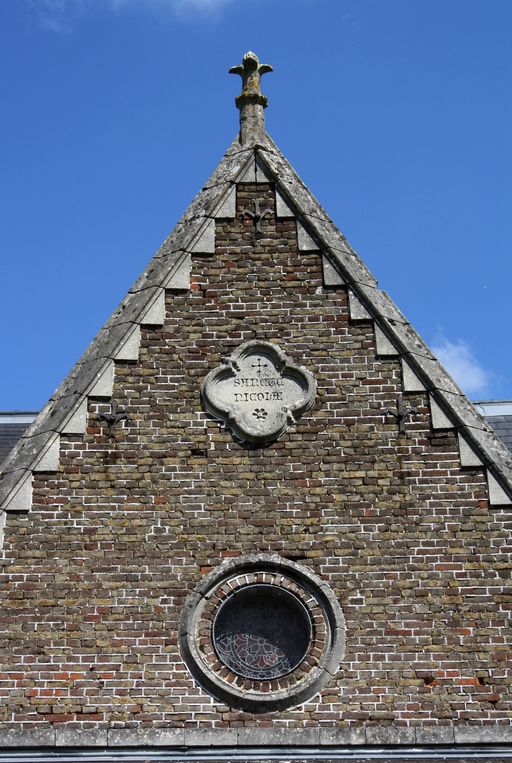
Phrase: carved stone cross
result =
(259, 366)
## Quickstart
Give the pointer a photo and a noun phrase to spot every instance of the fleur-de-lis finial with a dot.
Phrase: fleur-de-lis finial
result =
(250, 71)
(251, 102)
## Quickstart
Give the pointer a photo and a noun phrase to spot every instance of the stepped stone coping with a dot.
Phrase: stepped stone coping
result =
(438, 417)
(383, 345)
(330, 273)
(358, 311)
(173, 259)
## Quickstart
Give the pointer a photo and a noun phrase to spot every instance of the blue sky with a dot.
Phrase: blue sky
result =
(396, 113)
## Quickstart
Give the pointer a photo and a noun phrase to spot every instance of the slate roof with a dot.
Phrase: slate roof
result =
(499, 415)
(12, 426)
(38, 448)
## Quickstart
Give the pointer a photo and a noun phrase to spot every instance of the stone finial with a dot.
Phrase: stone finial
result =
(251, 102)
(250, 71)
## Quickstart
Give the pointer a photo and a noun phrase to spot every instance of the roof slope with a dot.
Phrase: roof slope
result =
(257, 158)
(12, 426)
(502, 425)
(499, 415)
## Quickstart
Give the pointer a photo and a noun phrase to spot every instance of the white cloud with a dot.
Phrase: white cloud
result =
(458, 359)
(180, 6)
(56, 15)
(61, 15)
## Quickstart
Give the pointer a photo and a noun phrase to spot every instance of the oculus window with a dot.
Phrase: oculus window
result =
(262, 633)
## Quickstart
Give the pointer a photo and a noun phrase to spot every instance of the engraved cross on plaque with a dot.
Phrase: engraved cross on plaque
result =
(259, 367)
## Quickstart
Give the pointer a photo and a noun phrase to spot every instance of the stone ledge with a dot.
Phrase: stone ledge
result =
(70, 737)
(435, 735)
(307, 737)
(390, 735)
(346, 736)
(146, 737)
(271, 737)
(211, 737)
(496, 734)
(32, 737)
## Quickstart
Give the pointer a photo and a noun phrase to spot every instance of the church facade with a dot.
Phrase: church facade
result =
(258, 518)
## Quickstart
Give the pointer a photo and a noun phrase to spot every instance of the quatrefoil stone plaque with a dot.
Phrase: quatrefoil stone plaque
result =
(258, 392)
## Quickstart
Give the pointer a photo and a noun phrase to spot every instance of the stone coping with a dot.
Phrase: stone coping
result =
(319, 737)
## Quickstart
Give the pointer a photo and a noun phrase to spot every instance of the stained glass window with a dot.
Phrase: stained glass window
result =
(262, 632)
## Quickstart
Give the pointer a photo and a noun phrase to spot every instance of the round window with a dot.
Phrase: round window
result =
(262, 633)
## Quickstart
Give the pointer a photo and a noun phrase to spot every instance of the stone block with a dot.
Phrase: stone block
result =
(358, 311)
(468, 457)
(77, 421)
(439, 418)
(497, 496)
(179, 278)
(330, 273)
(227, 206)
(155, 312)
(233, 162)
(435, 373)
(382, 305)
(392, 735)
(146, 737)
(383, 345)
(130, 347)
(32, 737)
(49, 460)
(282, 208)
(411, 381)
(211, 737)
(78, 737)
(255, 172)
(27, 452)
(342, 737)
(435, 735)
(278, 737)
(489, 734)
(305, 242)
(403, 334)
(204, 243)
(104, 384)
(20, 497)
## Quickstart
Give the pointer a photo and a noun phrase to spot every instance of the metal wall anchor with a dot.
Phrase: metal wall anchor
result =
(400, 414)
(113, 418)
(257, 215)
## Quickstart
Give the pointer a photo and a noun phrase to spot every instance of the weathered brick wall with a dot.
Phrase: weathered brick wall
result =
(96, 574)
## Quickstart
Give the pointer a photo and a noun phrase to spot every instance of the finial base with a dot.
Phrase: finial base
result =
(252, 123)
(246, 98)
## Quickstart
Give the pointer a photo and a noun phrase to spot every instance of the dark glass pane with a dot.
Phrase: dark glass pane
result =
(262, 632)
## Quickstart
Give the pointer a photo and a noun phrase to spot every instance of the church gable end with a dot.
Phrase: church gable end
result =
(258, 512)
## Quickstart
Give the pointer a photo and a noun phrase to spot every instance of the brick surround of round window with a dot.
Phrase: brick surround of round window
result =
(288, 639)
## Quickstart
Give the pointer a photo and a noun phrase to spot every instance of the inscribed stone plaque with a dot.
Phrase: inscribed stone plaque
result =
(258, 392)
